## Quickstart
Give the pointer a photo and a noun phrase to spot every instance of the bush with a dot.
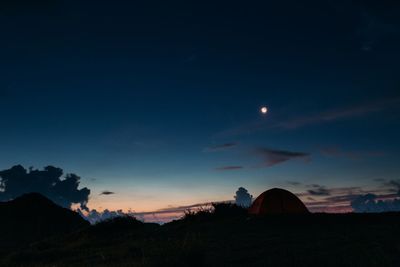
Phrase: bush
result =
(120, 223)
(217, 210)
(227, 210)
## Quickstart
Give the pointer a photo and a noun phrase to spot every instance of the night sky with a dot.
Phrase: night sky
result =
(159, 103)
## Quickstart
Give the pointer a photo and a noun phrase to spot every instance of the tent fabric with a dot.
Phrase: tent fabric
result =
(277, 201)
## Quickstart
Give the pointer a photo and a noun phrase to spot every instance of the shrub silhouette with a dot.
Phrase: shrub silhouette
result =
(228, 210)
(216, 211)
(121, 224)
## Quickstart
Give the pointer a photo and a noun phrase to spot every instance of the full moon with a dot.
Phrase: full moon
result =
(264, 110)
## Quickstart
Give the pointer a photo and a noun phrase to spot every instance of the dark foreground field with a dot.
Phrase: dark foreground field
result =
(224, 240)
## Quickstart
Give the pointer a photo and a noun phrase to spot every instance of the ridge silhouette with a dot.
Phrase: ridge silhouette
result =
(34, 231)
(32, 217)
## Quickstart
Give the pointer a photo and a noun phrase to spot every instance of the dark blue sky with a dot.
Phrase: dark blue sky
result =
(159, 102)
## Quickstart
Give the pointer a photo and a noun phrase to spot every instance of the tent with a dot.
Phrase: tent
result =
(277, 201)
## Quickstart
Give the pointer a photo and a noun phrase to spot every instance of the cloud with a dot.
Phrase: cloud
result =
(270, 157)
(354, 155)
(294, 183)
(349, 199)
(337, 114)
(394, 183)
(295, 122)
(180, 208)
(94, 216)
(322, 199)
(394, 186)
(319, 190)
(229, 168)
(342, 198)
(273, 157)
(371, 203)
(222, 147)
(107, 193)
(157, 216)
(62, 190)
(243, 198)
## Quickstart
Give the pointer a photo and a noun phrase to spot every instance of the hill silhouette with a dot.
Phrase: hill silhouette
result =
(33, 217)
(224, 236)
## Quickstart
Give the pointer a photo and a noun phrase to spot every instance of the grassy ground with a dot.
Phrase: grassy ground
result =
(225, 240)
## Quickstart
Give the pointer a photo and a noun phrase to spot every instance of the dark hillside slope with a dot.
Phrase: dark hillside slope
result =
(226, 240)
(33, 217)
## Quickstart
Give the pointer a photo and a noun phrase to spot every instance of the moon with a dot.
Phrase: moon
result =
(264, 110)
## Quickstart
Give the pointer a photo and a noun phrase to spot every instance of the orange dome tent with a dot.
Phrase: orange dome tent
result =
(277, 201)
